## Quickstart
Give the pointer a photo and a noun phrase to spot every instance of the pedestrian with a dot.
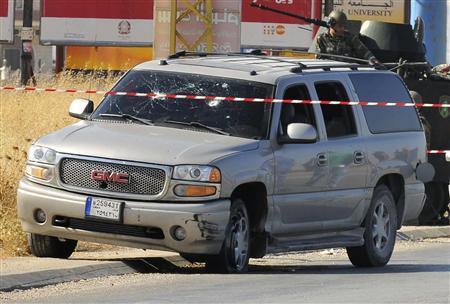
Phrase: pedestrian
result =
(338, 41)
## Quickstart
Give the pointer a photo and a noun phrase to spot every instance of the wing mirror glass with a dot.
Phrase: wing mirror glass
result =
(81, 108)
(299, 133)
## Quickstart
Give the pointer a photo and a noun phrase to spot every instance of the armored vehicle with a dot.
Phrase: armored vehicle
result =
(400, 47)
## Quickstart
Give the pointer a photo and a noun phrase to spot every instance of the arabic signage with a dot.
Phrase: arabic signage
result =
(261, 28)
(225, 27)
(380, 10)
(6, 21)
(97, 22)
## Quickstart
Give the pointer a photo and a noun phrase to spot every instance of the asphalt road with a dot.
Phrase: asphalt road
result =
(419, 272)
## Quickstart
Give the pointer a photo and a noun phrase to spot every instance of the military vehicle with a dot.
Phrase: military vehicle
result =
(400, 48)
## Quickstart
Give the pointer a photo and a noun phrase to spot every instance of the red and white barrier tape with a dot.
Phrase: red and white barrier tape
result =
(438, 151)
(219, 98)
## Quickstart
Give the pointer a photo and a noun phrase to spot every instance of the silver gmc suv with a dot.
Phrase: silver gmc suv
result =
(223, 181)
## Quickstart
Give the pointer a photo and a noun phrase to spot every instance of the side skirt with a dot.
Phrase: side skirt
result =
(347, 238)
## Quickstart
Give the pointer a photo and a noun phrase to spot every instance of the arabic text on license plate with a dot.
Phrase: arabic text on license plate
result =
(103, 208)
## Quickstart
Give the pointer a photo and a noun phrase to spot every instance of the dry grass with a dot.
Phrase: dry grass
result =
(24, 117)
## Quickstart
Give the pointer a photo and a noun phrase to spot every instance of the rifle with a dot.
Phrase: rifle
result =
(309, 20)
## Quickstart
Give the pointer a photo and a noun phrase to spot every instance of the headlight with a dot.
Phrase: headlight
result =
(42, 155)
(197, 173)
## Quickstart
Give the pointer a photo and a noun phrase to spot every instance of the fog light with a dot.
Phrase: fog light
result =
(179, 233)
(40, 216)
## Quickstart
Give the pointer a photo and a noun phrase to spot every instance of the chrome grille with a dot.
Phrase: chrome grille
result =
(143, 180)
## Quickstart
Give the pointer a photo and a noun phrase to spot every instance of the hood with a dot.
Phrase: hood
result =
(149, 144)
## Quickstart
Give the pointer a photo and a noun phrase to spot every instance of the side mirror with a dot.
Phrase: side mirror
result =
(81, 108)
(299, 133)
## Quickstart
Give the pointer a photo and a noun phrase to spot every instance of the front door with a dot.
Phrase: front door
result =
(301, 170)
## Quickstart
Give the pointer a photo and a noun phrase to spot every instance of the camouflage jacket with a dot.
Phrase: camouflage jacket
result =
(347, 45)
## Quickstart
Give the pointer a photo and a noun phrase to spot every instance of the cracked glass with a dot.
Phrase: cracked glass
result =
(242, 119)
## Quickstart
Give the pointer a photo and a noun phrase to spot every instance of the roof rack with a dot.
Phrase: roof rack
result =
(253, 54)
(328, 67)
(301, 66)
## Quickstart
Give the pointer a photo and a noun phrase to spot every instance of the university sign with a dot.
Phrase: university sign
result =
(380, 10)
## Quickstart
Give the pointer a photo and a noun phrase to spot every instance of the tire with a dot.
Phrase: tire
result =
(379, 240)
(234, 255)
(50, 247)
(436, 204)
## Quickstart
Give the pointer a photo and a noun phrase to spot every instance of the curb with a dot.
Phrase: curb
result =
(413, 233)
(56, 276)
(37, 279)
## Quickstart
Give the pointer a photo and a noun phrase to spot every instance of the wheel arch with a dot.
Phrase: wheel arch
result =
(396, 184)
(254, 195)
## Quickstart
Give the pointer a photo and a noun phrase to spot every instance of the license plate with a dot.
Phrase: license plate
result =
(104, 209)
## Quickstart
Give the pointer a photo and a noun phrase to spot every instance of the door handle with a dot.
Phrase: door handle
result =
(322, 159)
(358, 157)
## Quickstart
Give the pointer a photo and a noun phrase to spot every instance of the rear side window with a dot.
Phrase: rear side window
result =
(385, 87)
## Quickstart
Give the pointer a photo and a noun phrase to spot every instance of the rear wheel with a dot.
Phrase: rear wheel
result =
(50, 246)
(380, 231)
(234, 255)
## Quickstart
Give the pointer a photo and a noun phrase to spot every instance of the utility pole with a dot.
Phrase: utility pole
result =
(329, 6)
(27, 45)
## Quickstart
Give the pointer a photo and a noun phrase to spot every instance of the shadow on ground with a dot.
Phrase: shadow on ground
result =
(162, 265)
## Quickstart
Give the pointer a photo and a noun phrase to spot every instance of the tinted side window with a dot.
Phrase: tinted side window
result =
(385, 87)
(296, 113)
(339, 120)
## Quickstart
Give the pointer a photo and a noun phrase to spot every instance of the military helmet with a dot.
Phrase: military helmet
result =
(337, 16)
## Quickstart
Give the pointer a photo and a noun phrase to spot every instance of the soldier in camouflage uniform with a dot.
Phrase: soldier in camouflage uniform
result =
(340, 42)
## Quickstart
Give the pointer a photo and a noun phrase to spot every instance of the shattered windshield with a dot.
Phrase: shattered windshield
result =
(242, 119)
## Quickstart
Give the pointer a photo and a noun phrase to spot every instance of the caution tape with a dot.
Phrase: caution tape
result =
(50, 90)
(235, 99)
(438, 151)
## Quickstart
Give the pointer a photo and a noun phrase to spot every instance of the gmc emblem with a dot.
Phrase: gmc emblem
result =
(104, 176)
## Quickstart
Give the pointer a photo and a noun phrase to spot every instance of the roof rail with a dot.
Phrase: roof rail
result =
(301, 66)
(253, 54)
(328, 67)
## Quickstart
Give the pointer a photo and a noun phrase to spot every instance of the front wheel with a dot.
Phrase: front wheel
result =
(380, 231)
(50, 246)
(234, 255)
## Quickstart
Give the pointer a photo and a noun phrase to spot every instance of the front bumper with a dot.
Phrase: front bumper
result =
(205, 223)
